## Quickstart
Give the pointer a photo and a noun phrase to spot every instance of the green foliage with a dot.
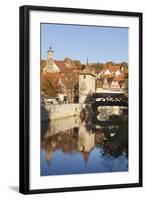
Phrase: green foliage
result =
(110, 63)
(79, 65)
(83, 66)
(98, 66)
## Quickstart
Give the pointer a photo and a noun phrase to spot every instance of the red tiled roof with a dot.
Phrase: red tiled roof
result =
(114, 68)
(70, 63)
(119, 78)
(67, 74)
(69, 80)
(108, 75)
(63, 67)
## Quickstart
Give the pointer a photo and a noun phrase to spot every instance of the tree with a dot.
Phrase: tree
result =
(42, 65)
(124, 65)
(98, 66)
(78, 64)
(49, 87)
(109, 63)
(83, 66)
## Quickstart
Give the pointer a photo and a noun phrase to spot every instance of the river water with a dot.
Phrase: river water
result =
(96, 144)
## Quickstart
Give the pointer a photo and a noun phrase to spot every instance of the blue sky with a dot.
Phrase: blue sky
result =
(99, 44)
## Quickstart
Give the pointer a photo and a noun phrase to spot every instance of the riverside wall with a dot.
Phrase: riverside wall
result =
(56, 111)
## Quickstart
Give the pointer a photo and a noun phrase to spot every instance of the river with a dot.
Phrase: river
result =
(97, 143)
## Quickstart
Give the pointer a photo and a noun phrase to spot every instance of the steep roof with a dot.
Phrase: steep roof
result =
(61, 65)
(114, 68)
(70, 63)
(88, 70)
(66, 66)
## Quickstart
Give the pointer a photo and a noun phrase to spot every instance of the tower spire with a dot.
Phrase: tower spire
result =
(50, 53)
(87, 61)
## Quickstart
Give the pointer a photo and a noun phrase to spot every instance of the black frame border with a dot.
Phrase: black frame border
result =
(24, 17)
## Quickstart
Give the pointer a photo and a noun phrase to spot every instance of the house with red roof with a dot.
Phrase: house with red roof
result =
(64, 73)
(112, 70)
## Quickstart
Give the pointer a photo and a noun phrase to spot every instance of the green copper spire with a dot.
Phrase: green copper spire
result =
(50, 49)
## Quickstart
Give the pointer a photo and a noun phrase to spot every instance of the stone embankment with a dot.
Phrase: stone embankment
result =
(56, 111)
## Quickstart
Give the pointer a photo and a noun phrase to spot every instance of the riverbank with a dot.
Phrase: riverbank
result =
(56, 111)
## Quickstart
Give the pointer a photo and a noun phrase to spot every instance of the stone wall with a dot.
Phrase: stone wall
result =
(55, 111)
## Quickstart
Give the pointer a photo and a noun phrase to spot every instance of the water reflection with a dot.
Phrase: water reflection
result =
(99, 143)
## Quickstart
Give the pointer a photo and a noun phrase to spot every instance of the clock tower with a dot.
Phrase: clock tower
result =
(50, 63)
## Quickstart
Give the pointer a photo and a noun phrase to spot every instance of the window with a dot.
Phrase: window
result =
(84, 76)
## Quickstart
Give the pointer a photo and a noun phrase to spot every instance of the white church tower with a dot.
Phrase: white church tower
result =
(50, 64)
(50, 55)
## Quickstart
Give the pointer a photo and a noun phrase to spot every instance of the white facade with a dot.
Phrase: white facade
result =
(50, 54)
(118, 73)
(99, 90)
(115, 85)
(86, 87)
(105, 84)
(107, 72)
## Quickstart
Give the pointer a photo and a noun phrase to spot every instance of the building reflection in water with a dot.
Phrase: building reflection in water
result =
(99, 143)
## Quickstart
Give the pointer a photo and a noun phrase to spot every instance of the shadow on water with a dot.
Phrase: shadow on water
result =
(45, 121)
(114, 128)
(116, 135)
